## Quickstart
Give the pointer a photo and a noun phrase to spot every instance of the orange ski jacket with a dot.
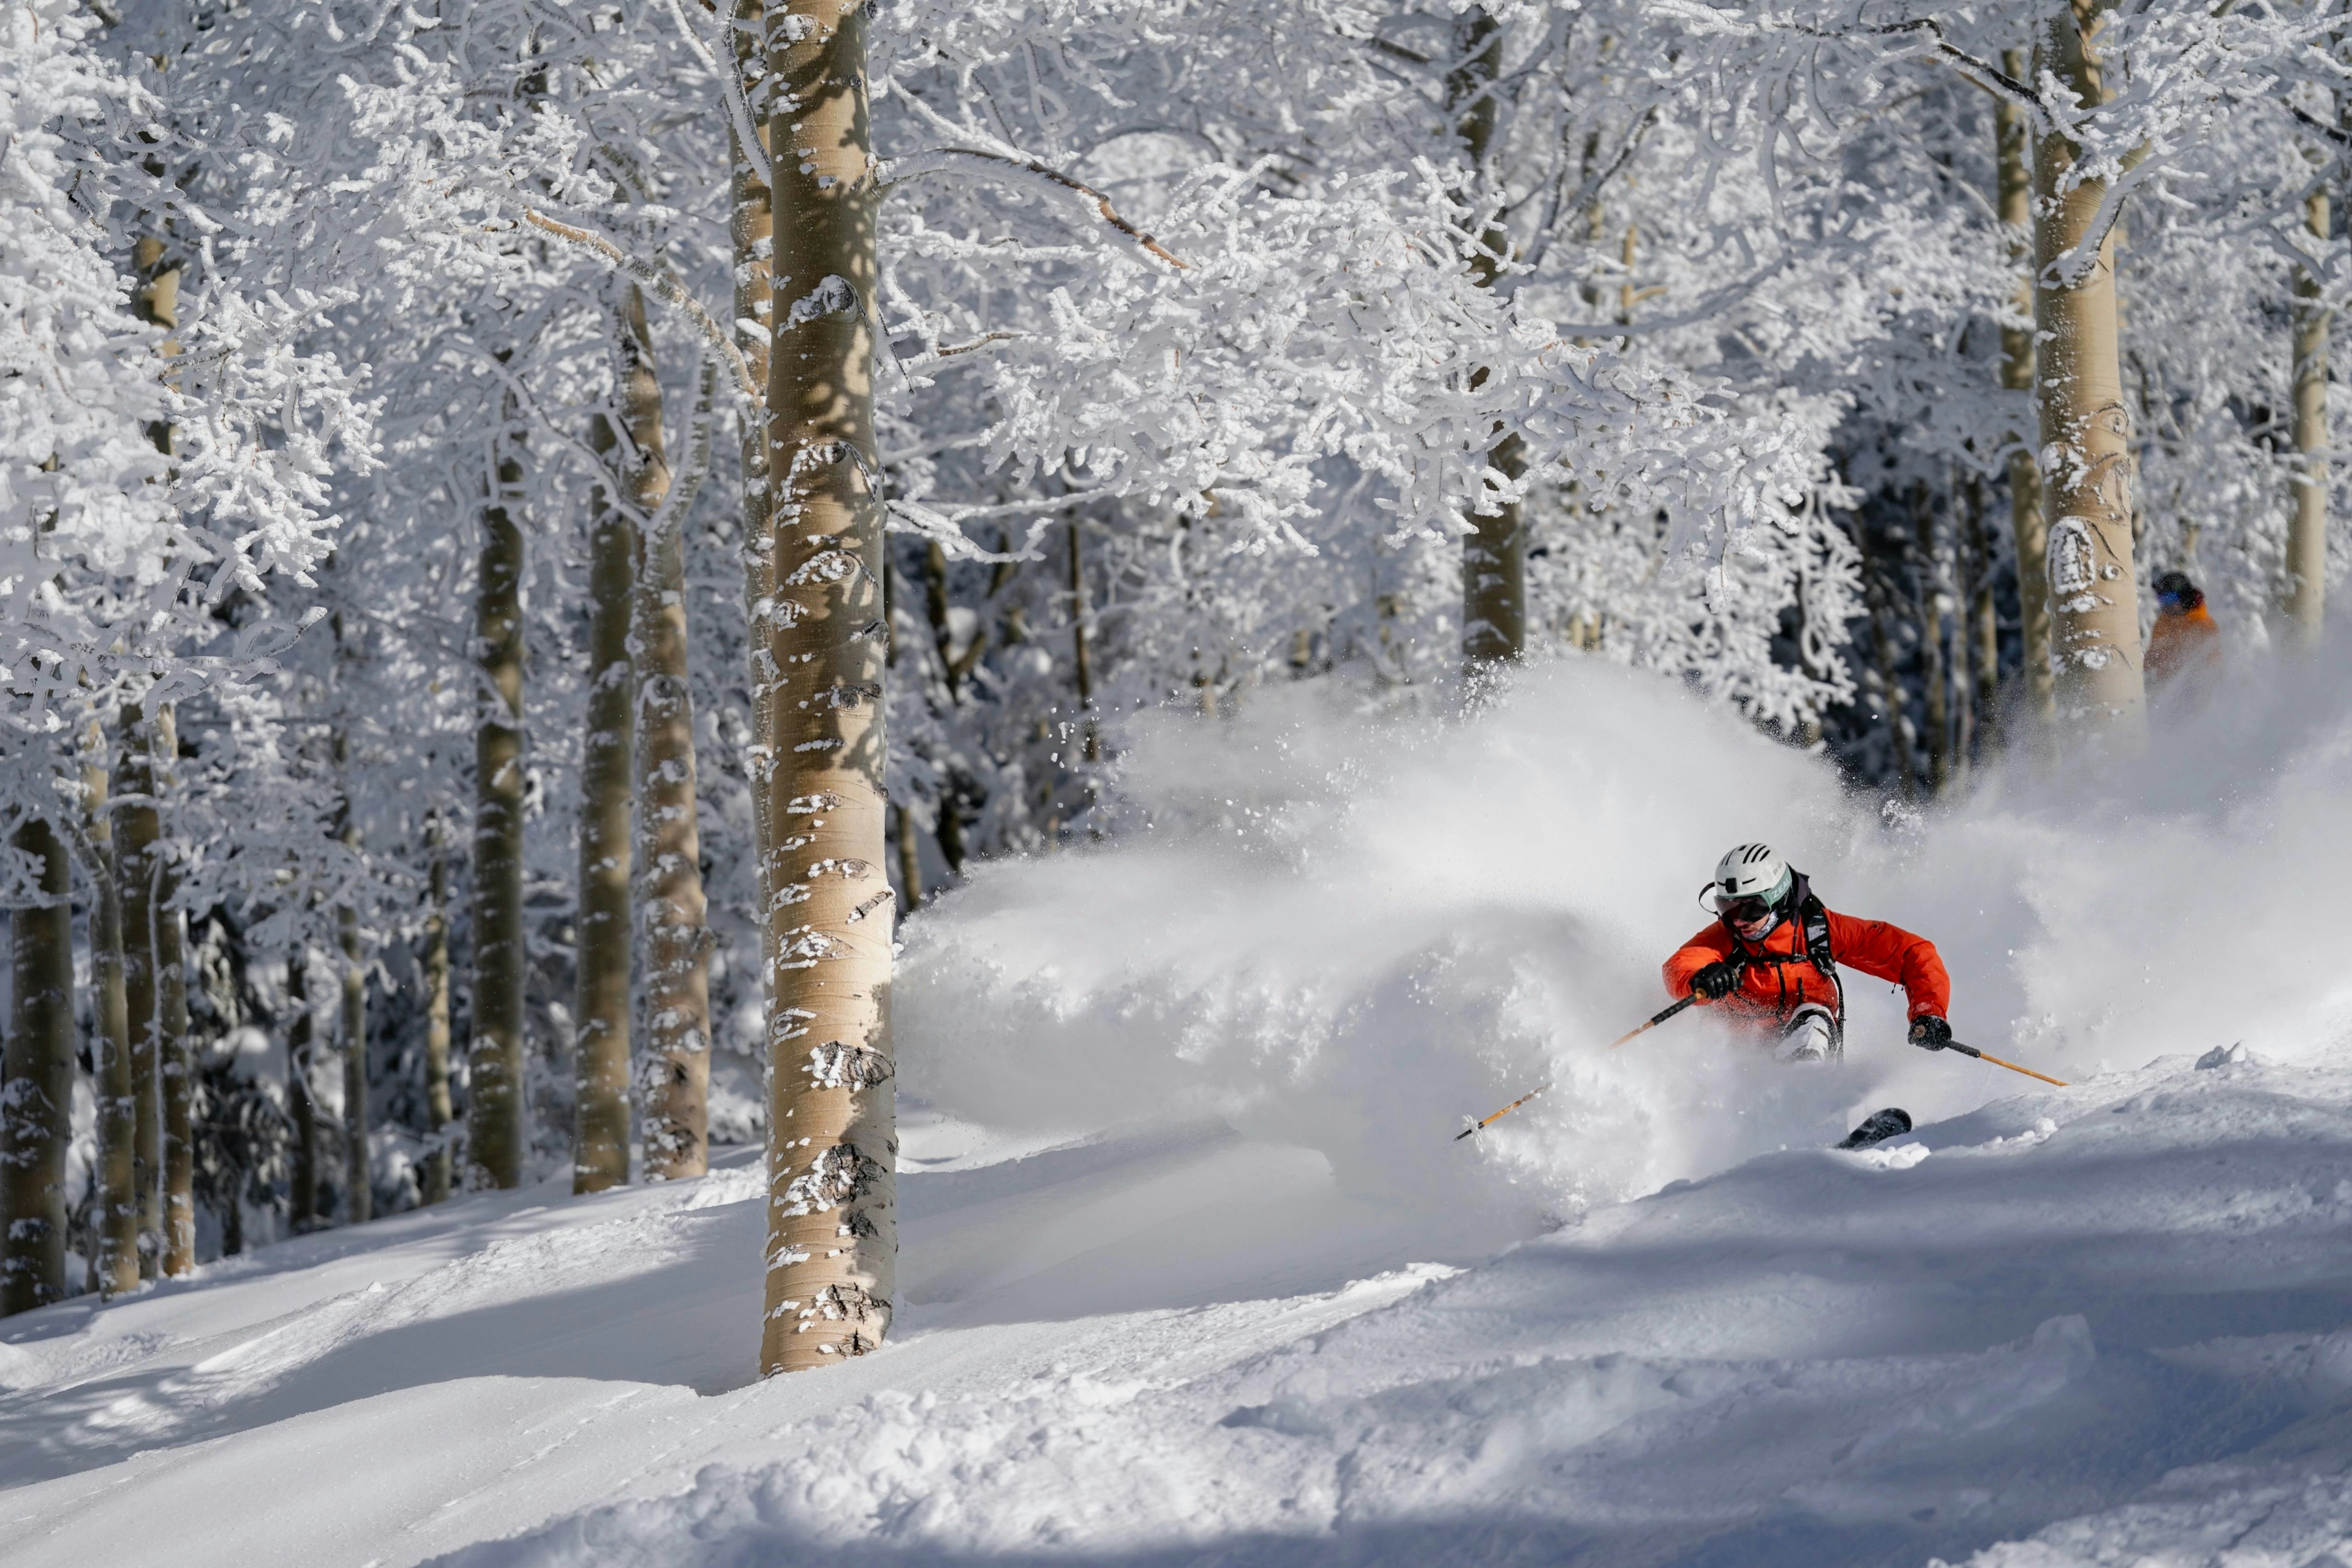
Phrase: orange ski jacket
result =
(1780, 975)
(2182, 642)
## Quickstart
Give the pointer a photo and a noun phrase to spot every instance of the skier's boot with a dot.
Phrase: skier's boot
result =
(1812, 1034)
(1878, 1127)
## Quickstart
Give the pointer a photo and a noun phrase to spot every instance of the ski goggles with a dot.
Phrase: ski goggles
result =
(1746, 911)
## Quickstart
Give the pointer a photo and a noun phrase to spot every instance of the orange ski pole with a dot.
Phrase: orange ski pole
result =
(1661, 1017)
(1973, 1051)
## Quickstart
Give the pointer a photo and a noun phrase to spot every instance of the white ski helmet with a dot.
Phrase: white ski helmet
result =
(1752, 871)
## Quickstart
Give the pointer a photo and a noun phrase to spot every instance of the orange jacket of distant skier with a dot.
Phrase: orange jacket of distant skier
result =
(1770, 992)
(2183, 642)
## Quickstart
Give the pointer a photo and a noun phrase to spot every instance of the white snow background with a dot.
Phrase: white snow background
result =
(1194, 1273)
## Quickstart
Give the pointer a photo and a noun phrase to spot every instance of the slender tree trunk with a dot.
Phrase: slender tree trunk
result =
(600, 1153)
(134, 860)
(2306, 537)
(910, 860)
(302, 1105)
(495, 1135)
(115, 1269)
(1898, 718)
(1082, 659)
(1932, 681)
(157, 302)
(438, 1108)
(753, 232)
(1495, 554)
(2027, 526)
(1984, 626)
(955, 666)
(359, 1176)
(36, 1073)
(173, 1063)
(832, 1211)
(675, 1076)
(2085, 426)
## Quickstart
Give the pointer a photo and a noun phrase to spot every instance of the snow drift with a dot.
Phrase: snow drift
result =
(1193, 1271)
(1347, 930)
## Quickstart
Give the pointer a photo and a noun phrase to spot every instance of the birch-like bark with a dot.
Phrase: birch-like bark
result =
(2015, 193)
(177, 1071)
(494, 1125)
(832, 1141)
(752, 230)
(301, 1106)
(2085, 425)
(36, 1072)
(435, 1183)
(2306, 534)
(600, 1146)
(115, 1269)
(1495, 554)
(134, 865)
(673, 1075)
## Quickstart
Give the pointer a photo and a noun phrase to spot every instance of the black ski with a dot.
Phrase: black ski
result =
(1878, 1127)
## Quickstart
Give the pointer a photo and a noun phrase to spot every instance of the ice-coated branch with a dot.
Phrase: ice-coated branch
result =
(939, 159)
(663, 283)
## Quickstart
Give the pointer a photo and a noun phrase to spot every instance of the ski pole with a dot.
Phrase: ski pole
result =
(1661, 1017)
(1973, 1051)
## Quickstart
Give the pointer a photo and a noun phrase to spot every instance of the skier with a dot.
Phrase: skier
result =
(1772, 957)
(2184, 638)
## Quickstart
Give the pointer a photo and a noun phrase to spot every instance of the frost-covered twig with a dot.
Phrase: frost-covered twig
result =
(664, 283)
(932, 162)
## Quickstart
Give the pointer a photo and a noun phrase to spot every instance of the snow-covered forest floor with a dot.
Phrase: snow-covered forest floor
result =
(1192, 1271)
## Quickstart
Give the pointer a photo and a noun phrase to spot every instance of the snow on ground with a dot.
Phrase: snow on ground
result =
(1193, 1273)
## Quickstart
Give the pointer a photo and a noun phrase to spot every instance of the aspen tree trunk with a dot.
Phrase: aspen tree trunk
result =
(1082, 661)
(751, 229)
(1931, 647)
(831, 1141)
(157, 302)
(115, 1269)
(435, 1187)
(1984, 626)
(2085, 426)
(495, 1136)
(359, 1178)
(911, 861)
(599, 1147)
(675, 1074)
(1899, 718)
(134, 865)
(1495, 554)
(2027, 527)
(2306, 536)
(37, 1083)
(176, 1071)
(301, 1108)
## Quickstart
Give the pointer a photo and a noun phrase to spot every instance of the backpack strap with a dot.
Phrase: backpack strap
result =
(1814, 917)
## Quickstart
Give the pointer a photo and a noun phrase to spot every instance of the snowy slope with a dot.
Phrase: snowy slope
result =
(2115, 1315)
(1193, 1273)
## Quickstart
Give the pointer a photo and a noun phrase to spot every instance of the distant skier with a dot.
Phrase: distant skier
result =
(1772, 960)
(2185, 641)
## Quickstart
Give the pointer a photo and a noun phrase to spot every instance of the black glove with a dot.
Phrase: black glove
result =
(1930, 1033)
(1715, 981)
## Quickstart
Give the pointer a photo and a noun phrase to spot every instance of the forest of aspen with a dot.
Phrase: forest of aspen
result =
(597, 594)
